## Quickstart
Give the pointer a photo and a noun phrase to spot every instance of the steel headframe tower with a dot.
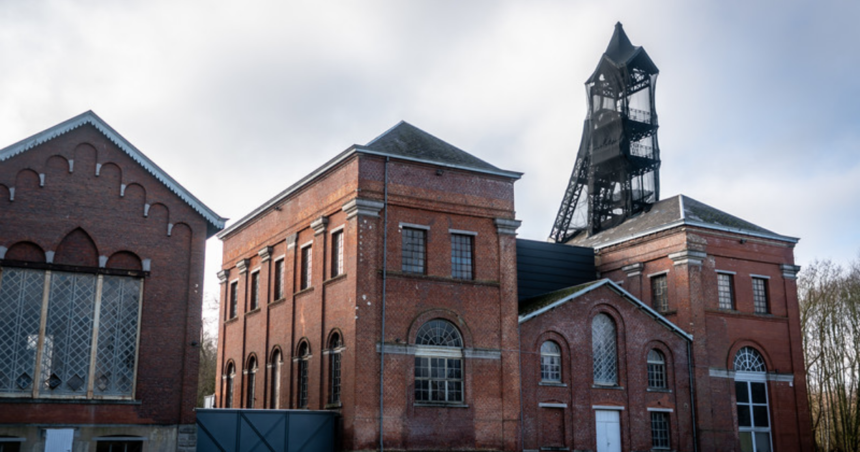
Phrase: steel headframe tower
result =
(616, 174)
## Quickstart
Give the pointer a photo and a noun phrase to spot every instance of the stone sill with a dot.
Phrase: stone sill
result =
(334, 279)
(446, 279)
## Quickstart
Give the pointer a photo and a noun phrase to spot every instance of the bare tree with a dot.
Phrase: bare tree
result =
(208, 348)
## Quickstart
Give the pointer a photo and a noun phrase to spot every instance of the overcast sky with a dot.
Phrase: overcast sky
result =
(759, 102)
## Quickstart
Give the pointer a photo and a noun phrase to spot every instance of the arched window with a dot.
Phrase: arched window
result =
(752, 400)
(228, 385)
(304, 357)
(656, 370)
(439, 363)
(605, 359)
(252, 382)
(550, 362)
(275, 393)
(335, 346)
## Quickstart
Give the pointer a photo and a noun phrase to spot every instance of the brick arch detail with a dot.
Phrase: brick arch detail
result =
(303, 340)
(669, 364)
(444, 314)
(741, 343)
(275, 348)
(25, 251)
(331, 334)
(620, 340)
(567, 360)
(5, 194)
(77, 248)
(125, 260)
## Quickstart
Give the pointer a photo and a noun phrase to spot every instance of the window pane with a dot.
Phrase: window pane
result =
(279, 279)
(759, 394)
(660, 430)
(659, 293)
(461, 256)
(749, 360)
(439, 333)
(336, 254)
(305, 281)
(71, 310)
(414, 253)
(726, 291)
(741, 392)
(760, 416)
(117, 341)
(760, 295)
(21, 305)
(744, 416)
(762, 442)
(746, 442)
(605, 360)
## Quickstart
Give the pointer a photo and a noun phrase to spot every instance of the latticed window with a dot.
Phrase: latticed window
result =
(336, 253)
(106, 445)
(603, 349)
(753, 410)
(438, 363)
(760, 295)
(255, 290)
(275, 393)
(252, 383)
(660, 430)
(335, 348)
(550, 362)
(304, 357)
(76, 355)
(279, 279)
(656, 370)
(726, 290)
(461, 256)
(234, 300)
(414, 250)
(660, 293)
(228, 385)
(305, 277)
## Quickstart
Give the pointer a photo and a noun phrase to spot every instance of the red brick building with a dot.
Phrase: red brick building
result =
(386, 282)
(101, 264)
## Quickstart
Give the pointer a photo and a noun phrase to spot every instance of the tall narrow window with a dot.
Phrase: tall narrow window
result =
(726, 290)
(304, 357)
(438, 363)
(252, 383)
(275, 393)
(656, 370)
(306, 268)
(604, 353)
(255, 290)
(414, 250)
(659, 293)
(279, 279)
(336, 253)
(228, 385)
(234, 300)
(550, 362)
(752, 401)
(660, 430)
(760, 295)
(335, 348)
(462, 264)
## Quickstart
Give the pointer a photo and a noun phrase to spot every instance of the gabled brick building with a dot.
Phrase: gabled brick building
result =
(101, 265)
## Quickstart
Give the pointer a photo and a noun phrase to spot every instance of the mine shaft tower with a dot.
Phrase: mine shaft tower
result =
(616, 174)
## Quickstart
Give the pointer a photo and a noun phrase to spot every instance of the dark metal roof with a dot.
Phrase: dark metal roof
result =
(668, 213)
(407, 141)
(544, 267)
(621, 52)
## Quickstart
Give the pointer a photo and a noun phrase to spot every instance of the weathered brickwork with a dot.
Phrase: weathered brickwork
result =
(78, 203)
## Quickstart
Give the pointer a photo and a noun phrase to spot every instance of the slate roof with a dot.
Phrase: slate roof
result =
(215, 221)
(403, 141)
(543, 304)
(672, 212)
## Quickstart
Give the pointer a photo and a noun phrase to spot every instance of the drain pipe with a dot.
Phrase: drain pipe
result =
(520, 353)
(692, 398)
(384, 278)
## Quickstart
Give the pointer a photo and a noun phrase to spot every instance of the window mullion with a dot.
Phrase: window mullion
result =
(93, 343)
(43, 325)
(137, 340)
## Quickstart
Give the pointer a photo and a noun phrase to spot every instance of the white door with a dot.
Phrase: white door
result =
(608, 430)
(59, 439)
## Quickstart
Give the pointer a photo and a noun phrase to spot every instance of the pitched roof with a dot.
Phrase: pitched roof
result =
(403, 141)
(620, 50)
(672, 212)
(534, 307)
(407, 141)
(215, 221)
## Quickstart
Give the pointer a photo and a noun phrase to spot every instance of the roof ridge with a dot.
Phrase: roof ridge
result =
(388, 131)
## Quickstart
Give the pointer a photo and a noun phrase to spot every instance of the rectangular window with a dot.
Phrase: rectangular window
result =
(336, 253)
(438, 380)
(726, 290)
(279, 279)
(306, 268)
(414, 250)
(255, 290)
(461, 256)
(89, 344)
(234, 300)
(760, 295)
(660, 430)
(660, 293)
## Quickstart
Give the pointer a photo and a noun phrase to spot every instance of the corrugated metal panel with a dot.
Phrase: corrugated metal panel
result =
(544, 267)
(266, 430)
